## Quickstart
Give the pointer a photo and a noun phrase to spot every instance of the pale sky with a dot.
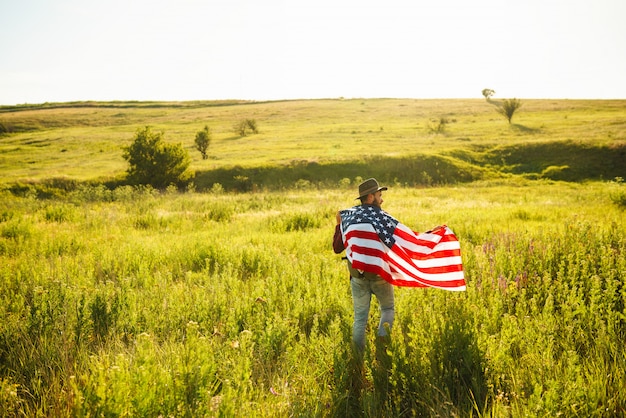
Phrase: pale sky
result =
(68, 50)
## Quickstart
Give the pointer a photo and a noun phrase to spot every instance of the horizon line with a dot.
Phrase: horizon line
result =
(85, 101)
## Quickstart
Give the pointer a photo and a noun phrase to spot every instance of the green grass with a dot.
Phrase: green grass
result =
(559, 139)
(144, 303)
(124, 301)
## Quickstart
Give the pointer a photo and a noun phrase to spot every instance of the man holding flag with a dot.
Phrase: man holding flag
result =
(382, 252)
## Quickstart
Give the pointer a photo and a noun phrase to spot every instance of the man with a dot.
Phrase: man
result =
(365, 283)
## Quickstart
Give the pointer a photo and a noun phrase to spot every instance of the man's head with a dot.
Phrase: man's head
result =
(370, 192)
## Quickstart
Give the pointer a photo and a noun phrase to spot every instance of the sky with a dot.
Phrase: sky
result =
(178, 50)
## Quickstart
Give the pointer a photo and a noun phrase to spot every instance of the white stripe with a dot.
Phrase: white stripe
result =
(367, 243)
(360, 227)
(434, 238)
(424, 236)
(438, 262)
(421, 249)
(438, 277)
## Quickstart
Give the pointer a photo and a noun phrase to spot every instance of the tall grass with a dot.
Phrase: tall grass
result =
(137, 303)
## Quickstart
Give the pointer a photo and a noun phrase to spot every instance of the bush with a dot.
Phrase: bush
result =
(344, 183)
(155, 163)
(300, 221)
(438, 126)
(618, 194)
(9, 399)
(554, 172)
(508, 108)
(220, 212)
(246, 126)
(203, 140)
(243, 183)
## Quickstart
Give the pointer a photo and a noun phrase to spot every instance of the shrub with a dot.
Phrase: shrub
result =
(438, 127)
(300, 221)
(16, 230)
(246, 126)
(88, 193)
(220, 212)
(203, 140)
(217, 188)
(153, 162)
(6, 215)
(23, 190)
(509, 107)
(554, 172)
(243, 183)
(9, 399)
(344, 183)
(302, 184)
(618, 194)
(59, 213)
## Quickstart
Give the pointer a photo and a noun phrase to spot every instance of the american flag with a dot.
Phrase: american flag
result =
(376, 242)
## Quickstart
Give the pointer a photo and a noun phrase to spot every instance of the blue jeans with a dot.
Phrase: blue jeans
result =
(362, 290)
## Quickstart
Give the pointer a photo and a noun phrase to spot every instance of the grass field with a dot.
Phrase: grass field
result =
(125, 301)
(326, 140)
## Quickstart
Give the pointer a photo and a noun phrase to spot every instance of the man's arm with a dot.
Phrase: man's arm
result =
(337, 240)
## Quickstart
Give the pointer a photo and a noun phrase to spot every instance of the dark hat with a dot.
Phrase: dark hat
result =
(369, 186)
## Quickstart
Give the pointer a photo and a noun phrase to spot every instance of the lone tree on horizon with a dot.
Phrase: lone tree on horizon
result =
(488, 93)
(509, 107)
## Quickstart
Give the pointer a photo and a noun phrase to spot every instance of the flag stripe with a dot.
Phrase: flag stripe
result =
(430, 259)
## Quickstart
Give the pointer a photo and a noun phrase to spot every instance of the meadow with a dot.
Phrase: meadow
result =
(323, 141)
(225, 300)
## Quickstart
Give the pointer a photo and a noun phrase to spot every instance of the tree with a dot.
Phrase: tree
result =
(488, 93)
(203, 139)
(246, 125)
(508, 108)
(439, 127)
(154, 162)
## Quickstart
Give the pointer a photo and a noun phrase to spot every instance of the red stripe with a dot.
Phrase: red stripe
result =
(452, 268)
(372, 252)
(424, 242)
(411, 274)
(414, 239)
(362, 234)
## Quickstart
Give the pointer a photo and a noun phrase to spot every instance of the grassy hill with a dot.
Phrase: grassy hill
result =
(128, 301)
(321, 142)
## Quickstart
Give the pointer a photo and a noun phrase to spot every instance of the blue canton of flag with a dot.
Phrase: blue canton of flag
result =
(383, 223)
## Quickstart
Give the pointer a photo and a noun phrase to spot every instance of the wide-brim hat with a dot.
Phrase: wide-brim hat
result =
(369, 186)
